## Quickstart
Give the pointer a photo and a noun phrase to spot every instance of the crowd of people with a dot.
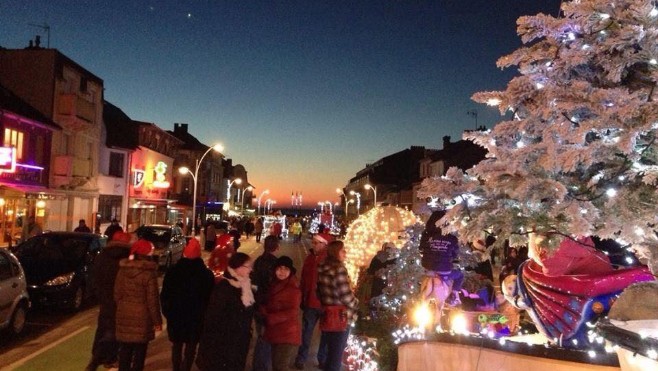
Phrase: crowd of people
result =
(211, 306)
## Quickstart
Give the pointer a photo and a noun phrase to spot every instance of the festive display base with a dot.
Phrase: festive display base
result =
(455, 353)
(636, 342)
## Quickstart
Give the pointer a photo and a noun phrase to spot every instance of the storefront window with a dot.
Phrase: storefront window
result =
(109, 207)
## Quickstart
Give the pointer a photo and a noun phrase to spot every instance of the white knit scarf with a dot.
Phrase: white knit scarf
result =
(244, 284)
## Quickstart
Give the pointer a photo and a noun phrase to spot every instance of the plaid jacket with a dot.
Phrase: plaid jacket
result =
(334, 286)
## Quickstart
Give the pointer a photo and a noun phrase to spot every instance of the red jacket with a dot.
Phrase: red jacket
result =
(309, 282)
(281, 312)
(218, 261)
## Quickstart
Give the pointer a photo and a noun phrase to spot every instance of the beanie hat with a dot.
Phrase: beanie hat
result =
(121, 236)
(285, 261)
(193, 249)
(141, 247)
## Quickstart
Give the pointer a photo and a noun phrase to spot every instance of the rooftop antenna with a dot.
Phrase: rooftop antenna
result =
(46, 28)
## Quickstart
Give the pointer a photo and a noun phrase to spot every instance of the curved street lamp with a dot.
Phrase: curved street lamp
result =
(249, 188)
(374, 191)
(267, 191)
(184, 170)
(358, 201)
(351, 201)
(237, 181)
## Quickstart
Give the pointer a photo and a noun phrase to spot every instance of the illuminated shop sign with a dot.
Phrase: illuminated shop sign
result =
(7, 160)
(160, 171)
(138, 178)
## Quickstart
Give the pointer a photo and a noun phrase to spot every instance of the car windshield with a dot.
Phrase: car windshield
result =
(159, 236)
(47, 255)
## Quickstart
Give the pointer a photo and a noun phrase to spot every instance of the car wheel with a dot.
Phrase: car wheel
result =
(78, 298)
(18, 319)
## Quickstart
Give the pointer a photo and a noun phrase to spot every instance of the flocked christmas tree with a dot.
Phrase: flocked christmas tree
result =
(578, 155)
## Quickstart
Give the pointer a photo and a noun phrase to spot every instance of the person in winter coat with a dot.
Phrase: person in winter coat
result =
(262, 276)
(82, 227)
(227, 324)
(211, 235)
(185, 292)
(384, 258)
(283, 331)
(138, 305)
(113, 228)
(105, 350)
(258, 229)
(335, 288)
(439, 251)
(311, 307)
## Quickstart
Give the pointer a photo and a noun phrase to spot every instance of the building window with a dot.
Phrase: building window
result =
(83, 84)
(109, 207)
(116, 164)
(14, 138)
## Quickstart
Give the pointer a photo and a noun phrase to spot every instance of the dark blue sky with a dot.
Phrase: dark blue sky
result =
(303, 93)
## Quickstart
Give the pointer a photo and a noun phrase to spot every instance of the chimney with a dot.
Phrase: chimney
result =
(37, 41)
(180, 128)
(446, 141)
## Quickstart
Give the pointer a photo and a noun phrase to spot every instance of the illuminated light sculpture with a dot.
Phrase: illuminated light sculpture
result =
(366, 235)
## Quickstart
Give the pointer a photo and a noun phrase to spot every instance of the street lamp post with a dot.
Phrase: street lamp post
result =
(249, 188)
(358, 201)
(374, 191)
(351, 201)
(237, 181)
(267, 191)
(184, 170)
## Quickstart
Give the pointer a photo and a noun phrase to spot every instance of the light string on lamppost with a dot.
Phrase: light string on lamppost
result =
(237, 181)
(267, 191)
(358, 201)
(374, 191)
(195, 177)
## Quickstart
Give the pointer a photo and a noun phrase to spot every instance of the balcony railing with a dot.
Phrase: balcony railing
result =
(74, 105)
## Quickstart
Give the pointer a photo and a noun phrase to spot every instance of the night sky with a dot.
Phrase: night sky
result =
(303, 94)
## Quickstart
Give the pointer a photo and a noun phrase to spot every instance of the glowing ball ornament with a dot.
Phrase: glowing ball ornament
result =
(366, 235)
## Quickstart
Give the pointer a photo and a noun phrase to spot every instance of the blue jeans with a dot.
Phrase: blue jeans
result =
(310, 318)
(336, 342)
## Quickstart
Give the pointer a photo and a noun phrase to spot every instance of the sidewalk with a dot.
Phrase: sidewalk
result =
(72, 352)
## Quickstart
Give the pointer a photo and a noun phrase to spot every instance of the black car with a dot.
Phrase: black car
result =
(168, 241)
(58, 267)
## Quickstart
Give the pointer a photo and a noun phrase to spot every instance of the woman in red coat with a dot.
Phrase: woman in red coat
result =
(283, 329)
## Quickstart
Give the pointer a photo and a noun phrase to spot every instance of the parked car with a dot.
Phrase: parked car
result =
(14, 299)
(58, 267)
(168, 240)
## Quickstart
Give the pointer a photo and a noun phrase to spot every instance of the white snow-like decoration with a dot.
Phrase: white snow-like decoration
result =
(590, 128)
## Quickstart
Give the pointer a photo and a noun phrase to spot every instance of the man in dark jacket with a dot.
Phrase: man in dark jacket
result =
(185, 292)
(105, 349)
(113, 228)
(439, 251)
(262, 277)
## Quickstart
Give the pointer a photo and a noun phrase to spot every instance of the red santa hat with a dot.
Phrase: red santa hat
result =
(141, 247)
(193, 249)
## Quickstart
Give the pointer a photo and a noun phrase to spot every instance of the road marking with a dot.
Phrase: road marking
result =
(20, 362)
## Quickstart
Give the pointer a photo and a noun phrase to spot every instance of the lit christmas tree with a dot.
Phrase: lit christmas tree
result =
(578, 155)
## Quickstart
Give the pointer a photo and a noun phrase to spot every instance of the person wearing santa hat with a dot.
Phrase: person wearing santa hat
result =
(184, 297)
(138, 305)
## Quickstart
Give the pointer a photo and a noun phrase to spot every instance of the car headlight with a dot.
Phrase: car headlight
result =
(64, 279)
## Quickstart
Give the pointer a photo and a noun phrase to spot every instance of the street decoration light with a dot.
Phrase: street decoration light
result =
(351, 201)
(267, 191)
(248, 189)
(358, 201)
(185, 170)
(268, 204)
(237, 181)
(374, 191)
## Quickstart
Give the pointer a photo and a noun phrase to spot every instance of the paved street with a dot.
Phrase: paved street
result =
(67, 346)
